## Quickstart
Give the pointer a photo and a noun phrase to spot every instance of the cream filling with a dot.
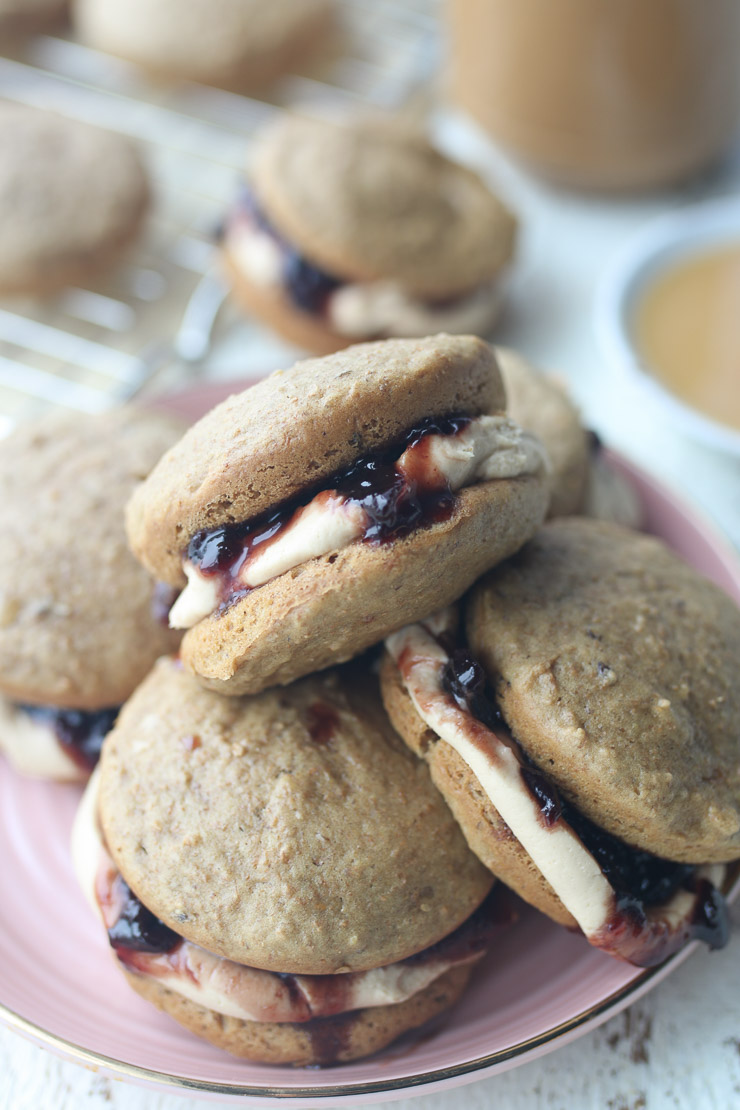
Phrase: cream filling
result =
(488, 448)
(255, 253)
(33, 748)
(224, 986)
(556, 851)
(366, 309)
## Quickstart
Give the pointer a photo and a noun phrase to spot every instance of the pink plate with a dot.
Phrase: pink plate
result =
(541, 988)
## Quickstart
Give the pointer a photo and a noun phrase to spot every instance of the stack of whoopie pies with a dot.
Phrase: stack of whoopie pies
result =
(274, 867)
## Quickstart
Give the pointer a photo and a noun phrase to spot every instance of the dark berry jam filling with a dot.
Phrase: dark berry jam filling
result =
(639, 879)
(322, 722)
(136, 927)
(308, 286)
(632, 873)
(465, 681)
(631, 934)
(393, 504)
(80, 732)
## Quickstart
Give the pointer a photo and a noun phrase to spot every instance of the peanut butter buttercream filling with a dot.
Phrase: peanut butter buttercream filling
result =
(529, 804)
(376, 500)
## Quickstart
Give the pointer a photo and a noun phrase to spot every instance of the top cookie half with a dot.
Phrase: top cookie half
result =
(261, 448)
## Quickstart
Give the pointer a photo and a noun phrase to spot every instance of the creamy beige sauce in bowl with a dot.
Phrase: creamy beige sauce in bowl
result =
(686, 329)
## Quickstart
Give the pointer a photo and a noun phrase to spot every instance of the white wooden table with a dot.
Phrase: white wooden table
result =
(678, 1048)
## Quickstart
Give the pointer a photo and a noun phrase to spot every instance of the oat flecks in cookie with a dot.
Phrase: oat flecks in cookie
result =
(76, 627)
(280, 841)
(72, 197)
(616, 665)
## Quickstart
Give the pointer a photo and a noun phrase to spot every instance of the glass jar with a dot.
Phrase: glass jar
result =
(604, 94)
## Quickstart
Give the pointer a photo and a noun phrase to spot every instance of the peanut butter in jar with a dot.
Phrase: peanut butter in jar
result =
(601, 94)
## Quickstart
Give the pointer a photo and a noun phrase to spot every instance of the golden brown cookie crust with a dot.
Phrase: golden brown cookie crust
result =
(373, 200)
(292, 831)
(616, 668)
(76, 626)
(321, 1041)
(485, 831)
(233, 44)
(331, 608)
(543, 408)
(72, 197)
(297, 427)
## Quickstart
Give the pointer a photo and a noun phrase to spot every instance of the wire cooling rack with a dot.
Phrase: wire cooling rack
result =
(150, 321)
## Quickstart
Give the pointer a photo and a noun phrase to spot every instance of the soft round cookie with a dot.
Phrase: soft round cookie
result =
(291, 831)
(72, 197)
(29, 15)
(362, 229)
(76, 622)
(540, 405)
(347, 1036)
(233, 44)
(616, 666)
(374, 199)
(580, 729)
(581, 481)
(273, 448)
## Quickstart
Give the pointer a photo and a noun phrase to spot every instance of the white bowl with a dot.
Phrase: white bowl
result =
(657, 248)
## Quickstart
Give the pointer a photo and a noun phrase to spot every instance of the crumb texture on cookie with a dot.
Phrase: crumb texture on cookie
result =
(292, 831)
(375, 200)
(616, 667)
(76, 626)
(297, 427)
